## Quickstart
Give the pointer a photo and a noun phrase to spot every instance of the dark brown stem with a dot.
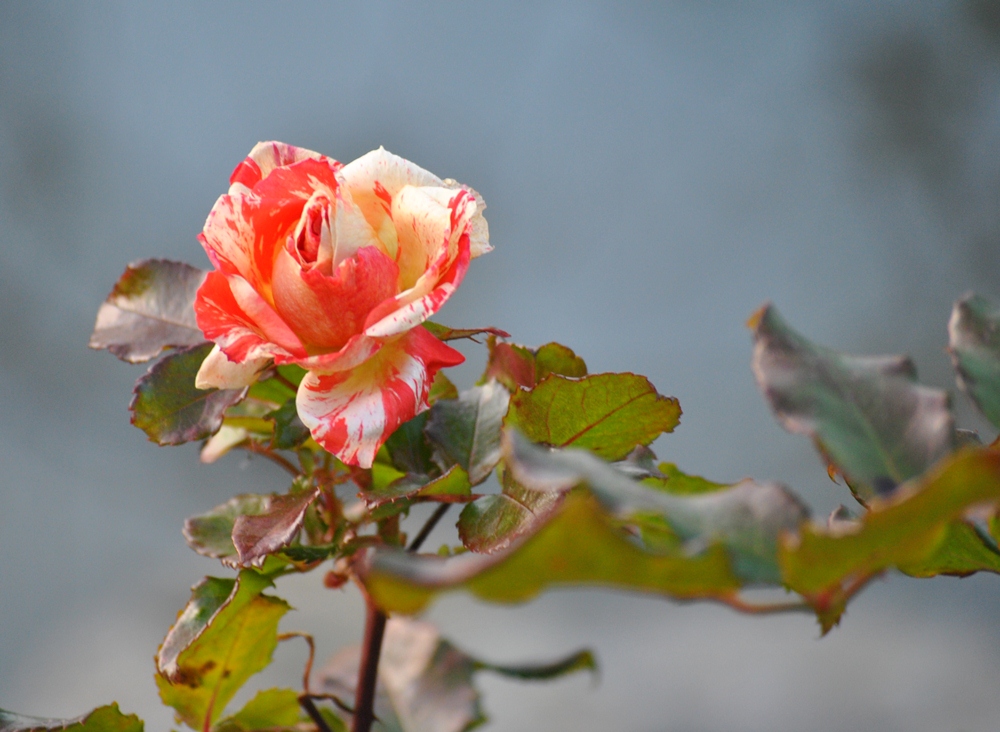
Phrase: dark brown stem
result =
(428, 527)
(270, 454)
(282, 380)
(364, 699)
(306, 702)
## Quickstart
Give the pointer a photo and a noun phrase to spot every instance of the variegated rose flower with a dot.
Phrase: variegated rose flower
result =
(334, 267)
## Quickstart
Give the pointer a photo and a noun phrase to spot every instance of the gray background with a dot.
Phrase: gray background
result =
(654, 172)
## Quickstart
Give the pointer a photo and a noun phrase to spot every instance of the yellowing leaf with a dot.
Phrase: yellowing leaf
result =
(225, 635)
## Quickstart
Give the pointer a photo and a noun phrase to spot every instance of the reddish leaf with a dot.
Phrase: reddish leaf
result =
(256, 536)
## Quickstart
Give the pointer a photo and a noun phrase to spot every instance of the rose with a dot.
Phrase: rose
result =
(334, 267)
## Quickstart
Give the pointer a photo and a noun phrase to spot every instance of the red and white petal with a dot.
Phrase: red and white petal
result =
(223, 319)
(218, 372)
(326, 311)
(374, 179)
(354, 353)
(479, 231)
(352, 413)
(265, 157)
(394, 318)
(421, 213)
(243, 231)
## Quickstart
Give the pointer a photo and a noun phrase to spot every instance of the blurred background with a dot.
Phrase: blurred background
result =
(654, 172)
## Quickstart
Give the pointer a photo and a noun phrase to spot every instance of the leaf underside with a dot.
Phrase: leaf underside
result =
(974, 344)
(103, 719)
(867, 415)
(150, 308)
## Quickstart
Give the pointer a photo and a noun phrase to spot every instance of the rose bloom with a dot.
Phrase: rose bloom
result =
(334, 267)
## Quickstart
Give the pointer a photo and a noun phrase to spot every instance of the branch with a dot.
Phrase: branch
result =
(364, 700)
(270, 454)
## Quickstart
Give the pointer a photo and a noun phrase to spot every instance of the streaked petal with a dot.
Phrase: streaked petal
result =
(443, 275)
(479, 230)
(352, 413)
(355, 352)
(223, 319)
(374, 180)
(325, 311)
(218, 372)
(265, 157)
(243, 230)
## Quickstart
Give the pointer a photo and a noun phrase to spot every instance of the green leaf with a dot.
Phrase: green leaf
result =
(905, 530)
(441, 388)
(289, 432)
(150, 308)
(211, 534)
(167, 406)
(519, 366)
(225, 635)
(867, 414)
(102, 719)
(444, 333)
(579, 661)
(675, 481)
(974, 344)
(270, 709)
(256, 536)
(466, 430)
(492, 523)
(425, 683)
(579, 544)
(608, 414)
(408, 448)
(961, 552)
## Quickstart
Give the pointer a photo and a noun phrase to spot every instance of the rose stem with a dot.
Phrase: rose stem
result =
(364, 700)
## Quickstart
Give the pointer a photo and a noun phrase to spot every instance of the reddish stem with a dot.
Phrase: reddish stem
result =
(364, 698)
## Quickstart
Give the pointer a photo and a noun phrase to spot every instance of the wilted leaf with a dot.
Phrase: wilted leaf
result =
(167, 406)
(903, 531)
(150, 308)
(211, 534)
(746, 518)
(225, 635)
(974, 343)
(256, 536)
(580, 544)
(444, 333)
(270, 709)
(102, 719)
(425, 683)
(466, 430)
(867, 414)
(492, 523)
(608, 414)
(289, 432)
(519, 366)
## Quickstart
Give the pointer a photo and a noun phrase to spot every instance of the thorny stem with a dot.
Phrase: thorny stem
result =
(364, 699)
(270, 454)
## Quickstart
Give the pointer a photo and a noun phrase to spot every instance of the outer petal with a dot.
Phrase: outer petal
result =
(224, 318)
(374, 180)
(218, 372)
(243, 230)
(265, 157)
(479, 230)
(352, 413)
(443, 275)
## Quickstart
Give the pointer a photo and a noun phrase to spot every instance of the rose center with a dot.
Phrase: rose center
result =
(313, 235)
